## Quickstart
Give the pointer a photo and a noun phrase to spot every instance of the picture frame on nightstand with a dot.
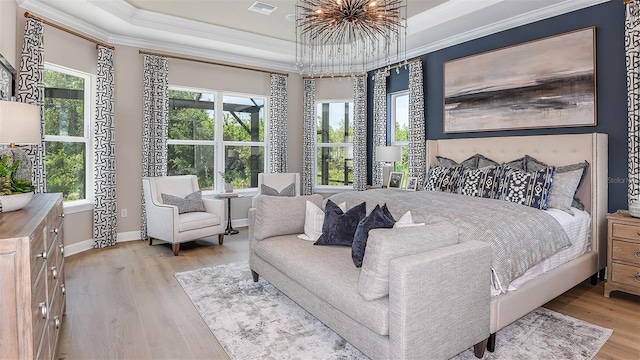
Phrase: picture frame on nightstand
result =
(412, 183)
(395, 180)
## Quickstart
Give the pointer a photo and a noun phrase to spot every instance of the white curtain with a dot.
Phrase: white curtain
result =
(278, 124)
(379, 122)
(359, 133)
(308, 137)
(632, 48)
(417, 146)
(155, 111)
(30, 90)
(105, 215)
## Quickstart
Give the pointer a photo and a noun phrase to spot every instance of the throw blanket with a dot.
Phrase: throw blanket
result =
(520, 236)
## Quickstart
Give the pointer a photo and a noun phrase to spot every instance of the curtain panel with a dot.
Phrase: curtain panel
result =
(30, 90)
(632, 49)
(105, 214)
(308, 137)
(155, 113)
(417, 146)
(278, 124)
(359, 133)
(379, 123)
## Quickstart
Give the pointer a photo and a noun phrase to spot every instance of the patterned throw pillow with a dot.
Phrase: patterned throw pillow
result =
(533, 164)
(526, 188)
(445, 179)
(191, 203)
(481, 182)
(474, 162)
(288, 190)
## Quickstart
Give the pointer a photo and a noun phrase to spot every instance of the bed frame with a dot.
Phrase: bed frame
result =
(554, 150)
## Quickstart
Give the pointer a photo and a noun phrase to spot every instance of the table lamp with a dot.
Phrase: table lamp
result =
(389, 155)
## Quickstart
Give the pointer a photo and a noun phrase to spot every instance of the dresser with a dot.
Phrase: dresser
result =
(32, 285)
(623, 254)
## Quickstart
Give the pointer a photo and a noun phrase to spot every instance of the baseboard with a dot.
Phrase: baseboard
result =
(85, 245)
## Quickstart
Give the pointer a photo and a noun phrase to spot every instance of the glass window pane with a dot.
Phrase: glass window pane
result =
(244, 163)
(243, 118)
(403, 166)
(192, 160)
(191, 115)
(401, 113)
(335, 122)
(66, 169)
(64, 104)
(333, 167)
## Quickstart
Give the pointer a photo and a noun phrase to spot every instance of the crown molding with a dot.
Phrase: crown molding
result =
(445, 12)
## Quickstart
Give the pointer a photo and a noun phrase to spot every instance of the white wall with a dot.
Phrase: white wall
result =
(8, 30)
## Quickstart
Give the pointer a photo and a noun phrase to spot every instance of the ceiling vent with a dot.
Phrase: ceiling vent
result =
(262, 8)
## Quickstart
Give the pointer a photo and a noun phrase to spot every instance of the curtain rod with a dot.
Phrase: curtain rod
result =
(387, 68)
(627, 1)
(29, 15)
(142, 52)
(331, 76)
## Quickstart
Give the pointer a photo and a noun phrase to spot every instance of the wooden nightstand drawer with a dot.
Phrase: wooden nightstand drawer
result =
(626, 251)
(627, 275)
(626, 231)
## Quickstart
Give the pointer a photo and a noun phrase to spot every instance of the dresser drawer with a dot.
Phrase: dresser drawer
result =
(627, 275)
(38, 251)
(624, 231)
(626, 251)
(39, 310)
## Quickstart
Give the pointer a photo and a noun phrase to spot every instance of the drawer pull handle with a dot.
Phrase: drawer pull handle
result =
(637, 254)
(637, 278)
(43, 309)
(42, 255)
(62, 215)
(57, 322)
(54, 272)
(63, 289)
(55, 231)
(61, 249)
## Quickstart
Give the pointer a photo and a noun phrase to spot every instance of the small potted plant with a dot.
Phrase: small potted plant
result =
(15, 193)
(228, 177)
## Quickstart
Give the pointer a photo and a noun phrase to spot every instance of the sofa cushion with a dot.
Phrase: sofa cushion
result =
(197, 220)
(339, 226)
(190, 203)
(378, 218)
(327, 272)
(385, 245)
(280, 215)
(289, 190)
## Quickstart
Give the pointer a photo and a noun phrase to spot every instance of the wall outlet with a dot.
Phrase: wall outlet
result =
(123, 213)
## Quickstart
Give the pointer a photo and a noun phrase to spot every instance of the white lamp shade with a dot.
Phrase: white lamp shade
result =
(19, 123)
(388, 153)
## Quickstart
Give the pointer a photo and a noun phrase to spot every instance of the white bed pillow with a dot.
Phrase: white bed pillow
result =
(313, 220)
(406, 220)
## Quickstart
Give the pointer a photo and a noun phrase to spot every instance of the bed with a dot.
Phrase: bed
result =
(554, 150)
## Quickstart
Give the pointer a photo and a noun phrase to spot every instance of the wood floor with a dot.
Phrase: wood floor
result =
(124, 302)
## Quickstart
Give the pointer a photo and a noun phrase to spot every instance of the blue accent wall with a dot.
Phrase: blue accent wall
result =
(611, 97)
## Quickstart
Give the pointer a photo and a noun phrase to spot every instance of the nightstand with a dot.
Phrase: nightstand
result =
(623, 254)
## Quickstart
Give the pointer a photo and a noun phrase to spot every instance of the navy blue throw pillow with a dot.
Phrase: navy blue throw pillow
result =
(380, 217)
(339, 227)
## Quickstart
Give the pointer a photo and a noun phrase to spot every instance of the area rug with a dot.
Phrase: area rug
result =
(257, 321)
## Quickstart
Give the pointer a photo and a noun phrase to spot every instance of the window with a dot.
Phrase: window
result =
(400, 127)
(67, 132)
(334, 147)
(202, 146)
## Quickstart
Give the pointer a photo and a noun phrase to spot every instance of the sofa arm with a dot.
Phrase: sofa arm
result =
(439, 301)
(214, 206)
(162, 221)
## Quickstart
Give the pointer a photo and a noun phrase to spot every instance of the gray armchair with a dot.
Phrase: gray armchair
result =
(164, 222)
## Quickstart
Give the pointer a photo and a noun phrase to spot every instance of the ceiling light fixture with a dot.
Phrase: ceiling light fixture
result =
(340, 37)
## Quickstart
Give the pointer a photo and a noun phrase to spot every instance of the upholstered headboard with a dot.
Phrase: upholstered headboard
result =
(554, 150)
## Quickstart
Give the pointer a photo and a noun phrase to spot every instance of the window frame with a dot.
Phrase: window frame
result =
(88, 127)
(319, 188)
(392, 121)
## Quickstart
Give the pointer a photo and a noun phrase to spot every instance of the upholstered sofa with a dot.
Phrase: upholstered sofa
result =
(437, 299)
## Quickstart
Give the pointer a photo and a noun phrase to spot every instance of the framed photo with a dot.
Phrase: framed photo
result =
(412, 183)
(544, 83)
(395, 180)
(7, 79)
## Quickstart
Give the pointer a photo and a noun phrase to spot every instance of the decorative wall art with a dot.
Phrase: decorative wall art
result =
(7, 79)
(548, 82)
(395, 180)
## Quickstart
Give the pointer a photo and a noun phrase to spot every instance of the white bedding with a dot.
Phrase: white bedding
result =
(578, 229)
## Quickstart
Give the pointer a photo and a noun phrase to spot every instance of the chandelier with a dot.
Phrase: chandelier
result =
(340, 37)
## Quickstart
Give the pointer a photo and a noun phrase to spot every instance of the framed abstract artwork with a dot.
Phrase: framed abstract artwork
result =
(544, 83)
(7, 79)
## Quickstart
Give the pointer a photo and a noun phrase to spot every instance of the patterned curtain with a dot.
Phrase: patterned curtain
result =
(278, 125)
(30, 90)
(308, 136)
(155, 110)
(105, 214)
(379, 122)
(632, 47)
(417, 145)
(359, 133)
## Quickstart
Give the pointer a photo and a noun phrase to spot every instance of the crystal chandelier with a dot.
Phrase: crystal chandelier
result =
(339, 37)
